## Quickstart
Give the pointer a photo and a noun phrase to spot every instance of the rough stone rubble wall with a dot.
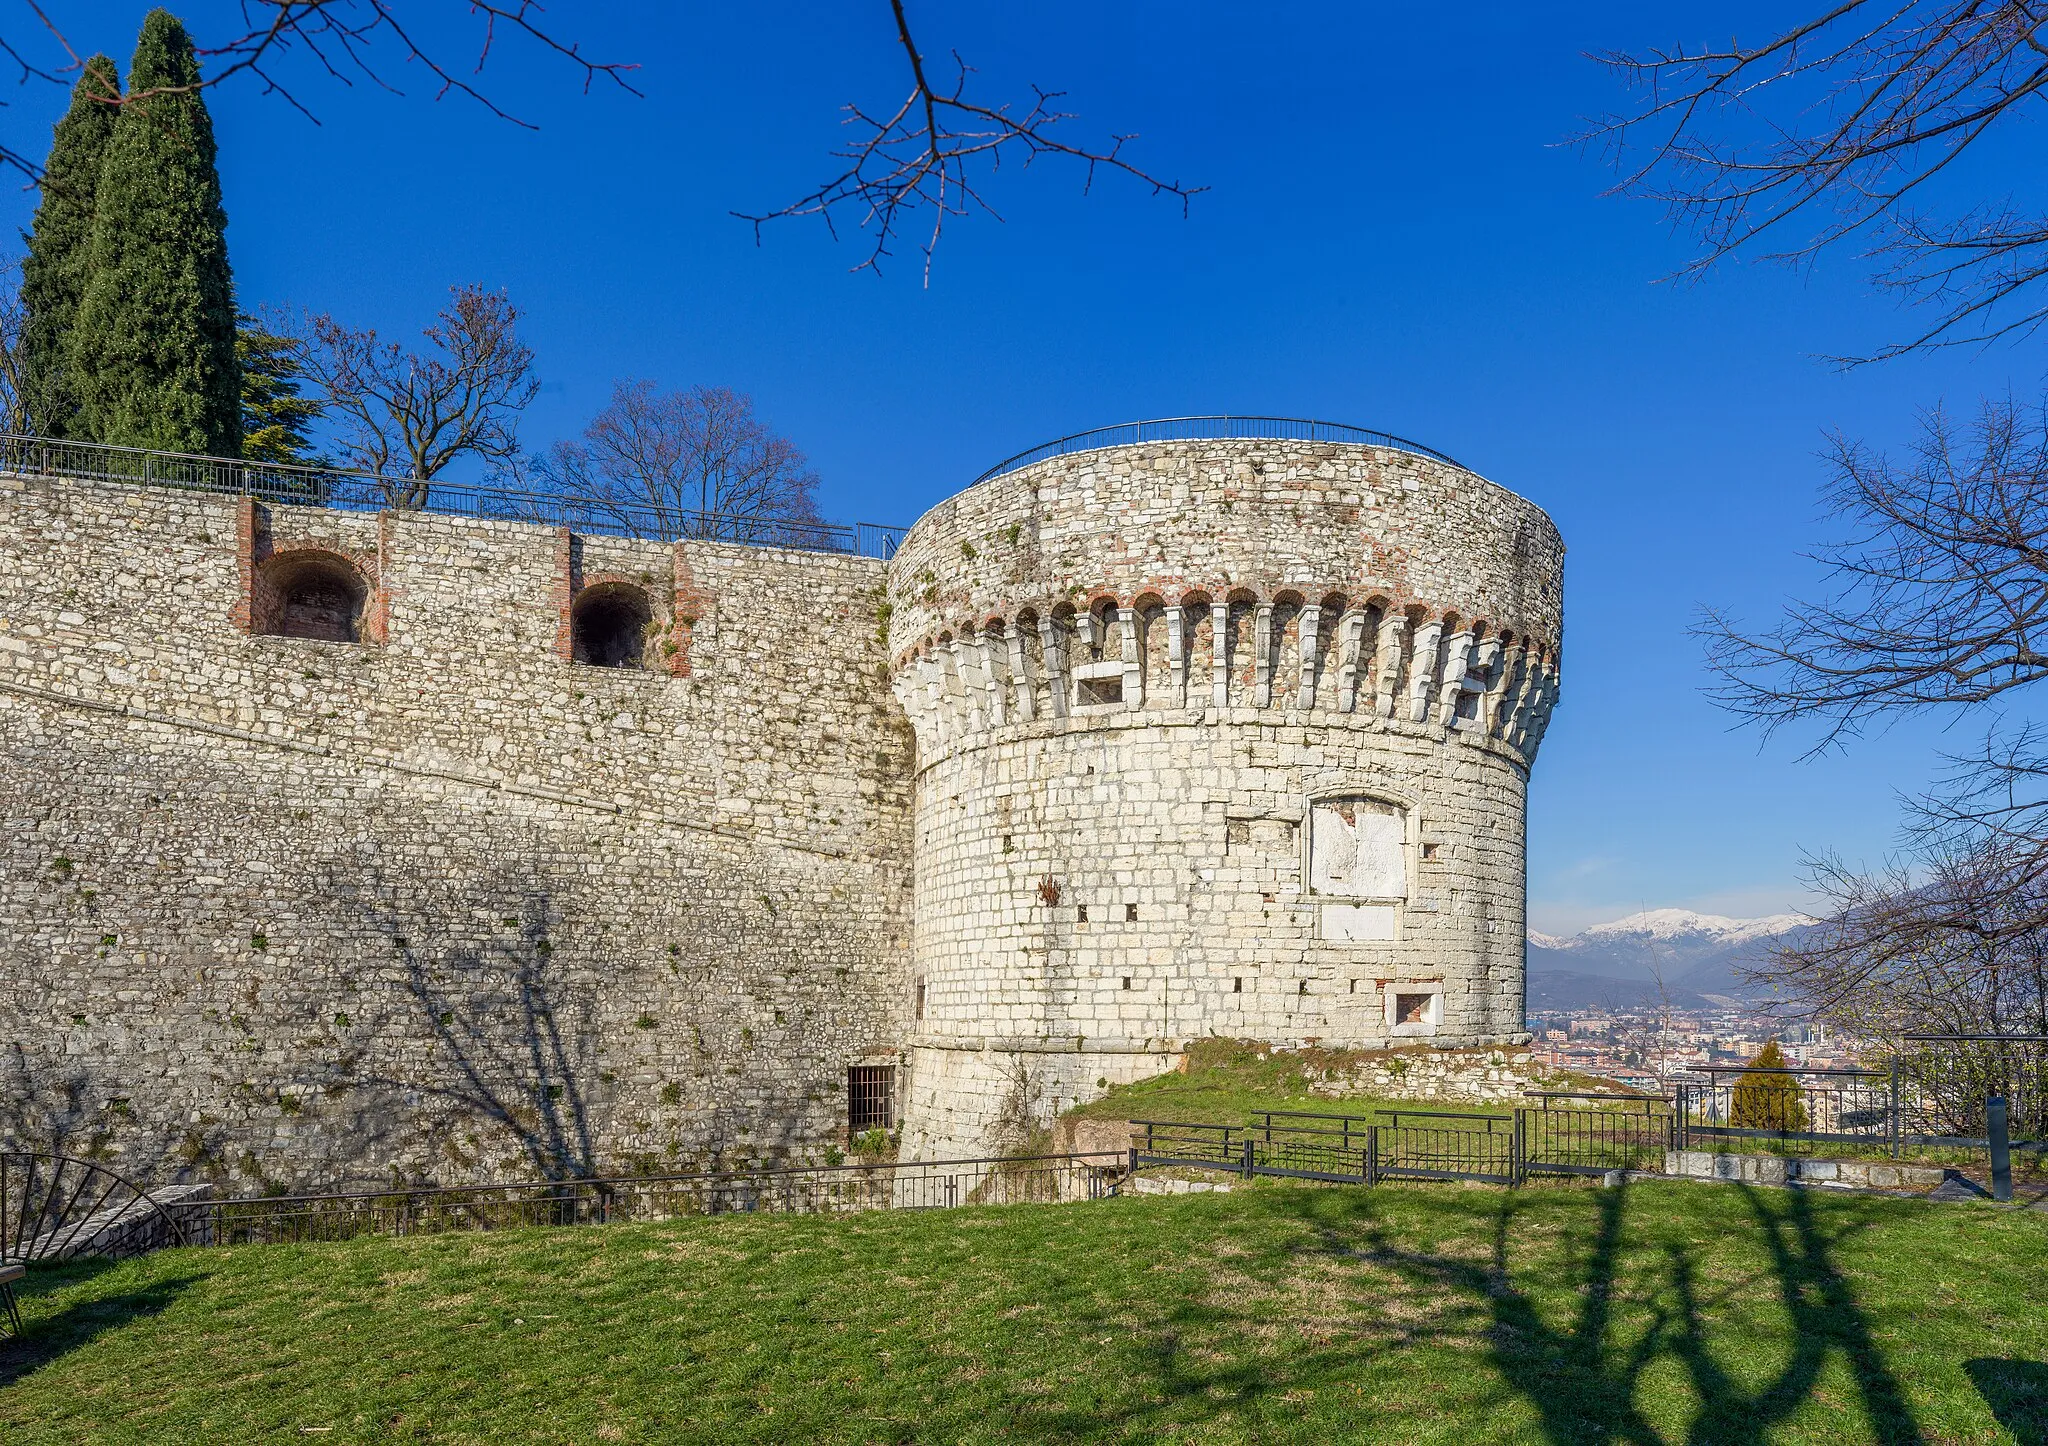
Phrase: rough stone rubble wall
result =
(445, 905)
(1098, 883)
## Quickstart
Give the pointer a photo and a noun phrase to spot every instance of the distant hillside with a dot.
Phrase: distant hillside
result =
(1617, 964)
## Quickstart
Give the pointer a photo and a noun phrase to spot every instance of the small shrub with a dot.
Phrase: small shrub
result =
(671, 1093)
(645, 1021)
(1767, 1097)
(259, 941)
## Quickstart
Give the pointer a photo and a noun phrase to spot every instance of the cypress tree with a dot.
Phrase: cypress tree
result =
(155, 344)
(53, 270)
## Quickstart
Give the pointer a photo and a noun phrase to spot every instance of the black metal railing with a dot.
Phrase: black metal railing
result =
(1933, 1095)
(1192, 429)
(1570, 1132)
(1788, 1110)
(810, 1190)
(1597, 1134)
(346, 490)
(55, 1207)
(1945, 1080)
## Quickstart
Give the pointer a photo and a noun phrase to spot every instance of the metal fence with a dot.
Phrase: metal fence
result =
(1945, 1079)
(345, 490)
(1933, 1094)
(1789, 1110)
(1592, 1134)
(1187, 429)
(816, 1190)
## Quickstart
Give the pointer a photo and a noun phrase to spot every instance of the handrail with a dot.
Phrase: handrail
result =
(1215, 428)
(349, 489)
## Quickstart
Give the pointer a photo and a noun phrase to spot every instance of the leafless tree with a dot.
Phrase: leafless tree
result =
(1940, 584)
(13, 411)
(689, 463)
(1939, 603)
(1837, 129)
(1957, 944)
(926, 156)
(408, 415)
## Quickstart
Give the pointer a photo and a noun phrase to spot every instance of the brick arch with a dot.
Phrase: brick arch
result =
(610, 622)
(314, 593)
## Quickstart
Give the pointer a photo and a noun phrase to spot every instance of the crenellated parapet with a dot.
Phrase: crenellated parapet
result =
(1369, 660)
(1347, 581)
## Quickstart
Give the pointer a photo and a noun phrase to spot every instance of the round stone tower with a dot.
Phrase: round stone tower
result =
(1217, 735)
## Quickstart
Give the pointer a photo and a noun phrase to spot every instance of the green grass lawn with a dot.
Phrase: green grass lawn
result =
(1656, 1313)
(1225, 1080)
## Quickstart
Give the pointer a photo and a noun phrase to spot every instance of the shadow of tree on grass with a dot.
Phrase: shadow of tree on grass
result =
(1587, 1391)
(1610, 1333)
(75, 1324)
(2017, 1393)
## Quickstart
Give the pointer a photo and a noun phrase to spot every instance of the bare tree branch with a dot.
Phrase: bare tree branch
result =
(1941, 588)
(410, 415)
(927, 155)
(1834, 130)
(346, 40)
(1958, 946)
(13, 315)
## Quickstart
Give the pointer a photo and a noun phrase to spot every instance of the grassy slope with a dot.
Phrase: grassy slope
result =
(1662, 1312)
(1226, 1080)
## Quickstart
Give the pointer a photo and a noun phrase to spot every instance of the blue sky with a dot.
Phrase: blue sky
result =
(1394, 236)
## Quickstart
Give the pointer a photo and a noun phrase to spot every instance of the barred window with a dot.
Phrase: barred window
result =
(870, 1097)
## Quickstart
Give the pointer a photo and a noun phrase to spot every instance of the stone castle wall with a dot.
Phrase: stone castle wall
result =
(1123, 750)
(442, 904)
(1157, 690)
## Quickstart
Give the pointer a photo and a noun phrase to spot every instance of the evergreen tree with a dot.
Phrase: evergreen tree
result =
(276, 420)
(155, 343)
(1767, 1097)
(53, 271)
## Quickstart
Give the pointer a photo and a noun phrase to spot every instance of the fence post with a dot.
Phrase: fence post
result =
(1996, 1130)
(1372, 1154)
(1247, 1157)
(1898, 1121)
(1518, 1150)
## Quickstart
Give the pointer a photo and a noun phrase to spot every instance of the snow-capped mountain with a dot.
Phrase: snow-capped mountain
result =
(1620, 961)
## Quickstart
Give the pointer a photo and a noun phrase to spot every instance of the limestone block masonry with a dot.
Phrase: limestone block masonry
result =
(329, 854)
(1213, 738)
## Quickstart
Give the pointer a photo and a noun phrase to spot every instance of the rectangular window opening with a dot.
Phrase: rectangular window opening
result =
(1411, 1008)
(1237, 986)
(870, 1098)
(1098, 692)
(1080, 913)
(1130, 913)
(920, 998)
(1127, 981)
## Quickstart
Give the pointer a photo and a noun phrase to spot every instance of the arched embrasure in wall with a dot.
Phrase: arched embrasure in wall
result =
(1237, 642)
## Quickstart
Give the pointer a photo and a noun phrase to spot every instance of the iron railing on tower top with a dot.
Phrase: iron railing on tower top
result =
(1201, 429)
(348, 490)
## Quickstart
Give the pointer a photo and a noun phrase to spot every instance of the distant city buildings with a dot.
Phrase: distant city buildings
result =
(1646, 1047)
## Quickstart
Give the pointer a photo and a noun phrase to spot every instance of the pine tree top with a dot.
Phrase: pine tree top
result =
(1770, 1057)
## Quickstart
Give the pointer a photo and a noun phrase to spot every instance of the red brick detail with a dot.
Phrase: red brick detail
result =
(564, 596)
(245, 561)
(377, 616)
(692, 605)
